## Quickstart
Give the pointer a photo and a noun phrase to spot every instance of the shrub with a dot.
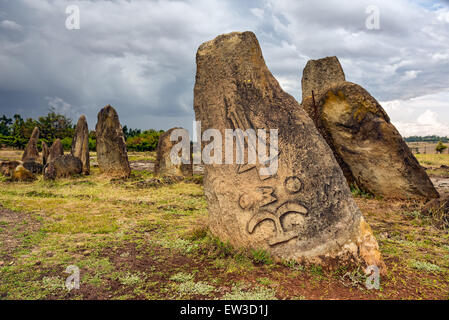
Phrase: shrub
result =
(66, 143)
(146, 141)
(261, 256)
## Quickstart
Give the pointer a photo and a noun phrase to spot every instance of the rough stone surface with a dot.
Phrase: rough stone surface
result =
(45, 152)
(111, 147)
(7, 167)
(80, 144)
(164, 165)
(319, 75)
(369, 149)
(63, 167)
(33, 167)
(55, 151)
(305, 211)
(31, 152)
(21, 174)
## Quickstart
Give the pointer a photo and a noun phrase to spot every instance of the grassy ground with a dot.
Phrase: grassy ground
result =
(433, 163)
(139, 240)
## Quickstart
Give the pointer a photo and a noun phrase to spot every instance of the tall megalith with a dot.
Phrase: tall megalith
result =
(31, 153)
(80, 144)
(112, 155)
(304, 210)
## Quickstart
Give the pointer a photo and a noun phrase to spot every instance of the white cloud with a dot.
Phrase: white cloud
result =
(425, 115)
(11, 25)
(410, 75)
(257, 12)
(427, 123)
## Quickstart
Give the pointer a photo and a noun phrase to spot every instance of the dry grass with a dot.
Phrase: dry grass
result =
(135, 243)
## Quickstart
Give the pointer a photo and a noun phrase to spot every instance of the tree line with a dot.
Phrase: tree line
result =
(433, 139)
(15, 133)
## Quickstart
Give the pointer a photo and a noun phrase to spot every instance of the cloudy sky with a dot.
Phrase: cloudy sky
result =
(139, 56)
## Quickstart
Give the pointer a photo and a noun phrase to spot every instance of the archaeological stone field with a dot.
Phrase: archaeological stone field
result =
(275, 198)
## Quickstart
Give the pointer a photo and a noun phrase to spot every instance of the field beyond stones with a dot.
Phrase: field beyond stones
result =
(147, 238)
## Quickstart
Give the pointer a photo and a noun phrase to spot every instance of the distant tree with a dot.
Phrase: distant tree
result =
(54, 126)
(440, 147)
(426, 139)
(5, 126)
(19, 140)
(129, 133)
(145, 141)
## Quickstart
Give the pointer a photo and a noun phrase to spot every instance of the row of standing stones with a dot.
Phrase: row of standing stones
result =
(111, 152)
(339, 135)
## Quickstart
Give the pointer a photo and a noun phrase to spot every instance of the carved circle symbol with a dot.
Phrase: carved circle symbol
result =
(246, 201)
(293, 184)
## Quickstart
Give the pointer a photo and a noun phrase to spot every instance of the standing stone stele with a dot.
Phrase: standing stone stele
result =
(305, 211)
(45, 153)
(31, 153)
(111, 147)
(164, 164)
(80, 144)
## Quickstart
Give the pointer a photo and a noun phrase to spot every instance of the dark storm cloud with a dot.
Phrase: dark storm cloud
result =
(139, 56)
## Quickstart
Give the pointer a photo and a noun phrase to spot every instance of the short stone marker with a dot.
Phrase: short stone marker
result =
(56, 150)
(164, 163)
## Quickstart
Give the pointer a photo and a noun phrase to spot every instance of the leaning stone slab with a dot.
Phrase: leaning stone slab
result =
(31, 152)
(80, 144)
(111, 147)
(164, 164)
(305, 210)
(369, 149)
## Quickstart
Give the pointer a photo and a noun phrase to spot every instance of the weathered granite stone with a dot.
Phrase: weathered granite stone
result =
(111, 147)
(55, 151)
(305, 211)
(31, 152)
(63, 167)
(164, 165)
(33, 167)
(45, 153)
(21, 174)
(7, 167)
(369, 149)
(80, 144)
(319, 75)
